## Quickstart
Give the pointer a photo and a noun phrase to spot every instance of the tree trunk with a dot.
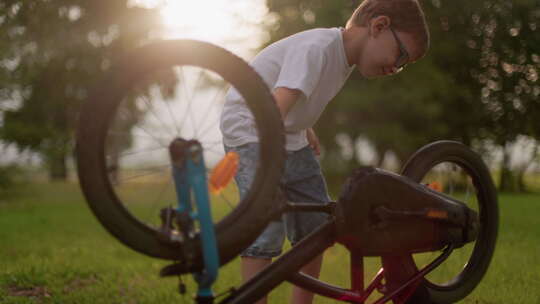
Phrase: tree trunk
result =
(57, 163)
(520, 180)
(520, 176)
(507, 178)
(382, 156)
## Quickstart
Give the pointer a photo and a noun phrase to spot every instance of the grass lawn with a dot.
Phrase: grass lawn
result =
(52, 250)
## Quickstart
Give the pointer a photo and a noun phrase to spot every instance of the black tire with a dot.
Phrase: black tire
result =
(236, 230)
(471, 163)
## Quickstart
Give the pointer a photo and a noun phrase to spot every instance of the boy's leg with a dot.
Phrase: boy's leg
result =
(259, 254)
(252, 266)
(268, 245)
(313, 269)
(304, 183)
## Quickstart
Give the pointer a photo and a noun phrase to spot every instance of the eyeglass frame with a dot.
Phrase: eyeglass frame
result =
(402, 60)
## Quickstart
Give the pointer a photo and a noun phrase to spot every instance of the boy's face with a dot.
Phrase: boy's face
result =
(386, 51)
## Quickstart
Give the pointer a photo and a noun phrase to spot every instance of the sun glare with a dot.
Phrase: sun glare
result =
(204, 19)
(238, 24)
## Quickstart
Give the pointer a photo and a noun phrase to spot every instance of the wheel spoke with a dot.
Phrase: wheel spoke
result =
(189, 105)
(221, 94)
(231, 205)
(139, 135)
(185, 96)
(166, 186)
(151, 136)
(149, 171)
(150, 108)
(214, 151)
(141, 151)
(173, 117)
(211, 144)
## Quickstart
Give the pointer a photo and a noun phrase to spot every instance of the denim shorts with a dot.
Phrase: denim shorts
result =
(301, 182)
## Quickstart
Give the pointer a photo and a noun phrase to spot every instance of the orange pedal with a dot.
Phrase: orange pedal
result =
(435, 186)
(223, 172)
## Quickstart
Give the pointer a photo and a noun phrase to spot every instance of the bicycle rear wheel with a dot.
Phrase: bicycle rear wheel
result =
(454, 169)
(127, 123)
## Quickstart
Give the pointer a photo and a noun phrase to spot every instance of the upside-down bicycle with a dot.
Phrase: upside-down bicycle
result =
(145, 160)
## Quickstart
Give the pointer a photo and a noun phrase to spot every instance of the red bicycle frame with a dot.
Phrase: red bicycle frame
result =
(286, 269)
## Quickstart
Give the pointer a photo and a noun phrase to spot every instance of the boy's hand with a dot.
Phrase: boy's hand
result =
(313, 141)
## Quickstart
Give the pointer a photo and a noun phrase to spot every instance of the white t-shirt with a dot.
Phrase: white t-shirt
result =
(313, 62)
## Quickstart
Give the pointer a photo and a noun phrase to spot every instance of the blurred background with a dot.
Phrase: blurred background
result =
(478, 84)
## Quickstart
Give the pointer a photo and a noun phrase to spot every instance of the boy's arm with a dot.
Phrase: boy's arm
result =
(285, 99)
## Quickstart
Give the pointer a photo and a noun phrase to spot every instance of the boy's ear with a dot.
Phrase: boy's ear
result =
(379, 24)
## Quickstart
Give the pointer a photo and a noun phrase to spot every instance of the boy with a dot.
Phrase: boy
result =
(305, 71)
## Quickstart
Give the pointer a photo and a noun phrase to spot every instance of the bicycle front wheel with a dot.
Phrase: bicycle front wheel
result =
(128, 122)
(457, 171)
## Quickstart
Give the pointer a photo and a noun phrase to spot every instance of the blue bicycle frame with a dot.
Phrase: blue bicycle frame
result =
(189, 173)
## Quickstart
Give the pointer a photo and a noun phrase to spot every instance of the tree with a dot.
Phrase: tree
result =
(400, 113)
(504, 33)
(51, 53)
(477, 82)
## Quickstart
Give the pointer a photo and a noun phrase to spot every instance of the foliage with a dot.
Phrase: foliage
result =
(477, 82)
(508, 40)
(51, 54)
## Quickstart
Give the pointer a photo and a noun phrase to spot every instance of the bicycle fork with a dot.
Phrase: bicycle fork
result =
(189, 174)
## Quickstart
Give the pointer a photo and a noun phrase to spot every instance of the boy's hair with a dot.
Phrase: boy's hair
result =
(405, 15)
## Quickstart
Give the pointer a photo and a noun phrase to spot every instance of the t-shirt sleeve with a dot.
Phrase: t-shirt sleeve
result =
(301, 69)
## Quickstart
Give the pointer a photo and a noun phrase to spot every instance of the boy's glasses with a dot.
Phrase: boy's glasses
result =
(403, 58)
